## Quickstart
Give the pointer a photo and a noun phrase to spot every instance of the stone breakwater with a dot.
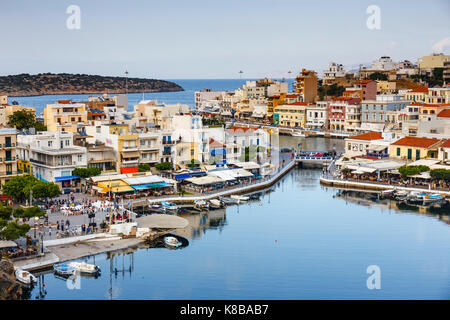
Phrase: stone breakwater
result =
(10, 289)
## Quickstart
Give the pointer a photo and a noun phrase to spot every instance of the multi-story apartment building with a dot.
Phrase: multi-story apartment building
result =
(8, 159)
(337, 112)
(317, 115)
(335, 70)
(438, 95)
(52, 156)
(131, 147)
(291, 115)
(417, 95)
(306, 85)
(375, 114)
(159, 114)
(65, 116)
(7, 110)
(435, 60)
(206, 95)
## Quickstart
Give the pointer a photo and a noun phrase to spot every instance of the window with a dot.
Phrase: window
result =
(50, 143)
(417, 154)
(398, 152)
(80, 158)
(67, 143)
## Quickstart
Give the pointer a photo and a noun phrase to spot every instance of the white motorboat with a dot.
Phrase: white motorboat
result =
(25, 277)
(172, 242)
(214, 203)
(239, 198)
(298, 134)
(84, 267)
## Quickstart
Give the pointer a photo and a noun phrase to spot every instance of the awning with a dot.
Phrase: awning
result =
(204, 180)
(131, 154)
(151, 186)
(377, 148)
(242, 173)
(66, 178)
(7, 244)
(112, 183)
(118, 189)
(129, 170)
(226, 175)
(197, 174)
(182, 176)
(143, 180)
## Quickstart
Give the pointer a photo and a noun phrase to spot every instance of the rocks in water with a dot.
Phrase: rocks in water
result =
(10, 289)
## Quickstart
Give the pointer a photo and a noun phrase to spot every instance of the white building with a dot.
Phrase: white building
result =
(206, 95)
(385, 63)
(317, 115)
(334, 70)
(52, 155)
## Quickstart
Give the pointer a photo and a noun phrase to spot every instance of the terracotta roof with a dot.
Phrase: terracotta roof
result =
(290, 96)
(420, 89)
(416, 142)
(364, 81)
(444, 113)
(368, 136)
(240, 129)
(446, 144)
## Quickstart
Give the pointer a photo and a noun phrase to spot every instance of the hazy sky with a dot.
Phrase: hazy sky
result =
(214, 39)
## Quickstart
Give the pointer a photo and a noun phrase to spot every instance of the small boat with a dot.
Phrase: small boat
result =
(201, 205)
(239, 198)
(156, 208)
(63, 269)
(228, 201)
(255, 196)
(433, 198)
(172, 242)
(298, 134)
(169, 206)
(84, 267)
(214, 203)
(25, 277)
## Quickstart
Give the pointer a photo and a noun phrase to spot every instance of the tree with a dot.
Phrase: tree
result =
(143, 167)
(378, 76)
(412, 170)
(22, 119)
(86, 172)
(16, 187)
(163, 166)
(13, 230)
(442, 174)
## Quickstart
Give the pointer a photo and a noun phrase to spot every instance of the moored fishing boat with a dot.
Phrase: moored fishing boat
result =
(201, 205)
(63, 269)
(25, 277)
(169, 207)
(84, 267)
(215, 203)
(228, 200)
(239, 197)
(172, 242)
(156, 208)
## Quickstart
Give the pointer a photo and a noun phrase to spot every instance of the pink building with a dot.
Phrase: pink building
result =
(337, 110)
(368, 88)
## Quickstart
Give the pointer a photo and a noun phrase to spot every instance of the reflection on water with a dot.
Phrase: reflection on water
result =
(371, 199)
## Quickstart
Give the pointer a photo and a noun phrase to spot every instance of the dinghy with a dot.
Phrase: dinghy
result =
(84, 267)
(25, 277)
(63, 269)
(172, 242)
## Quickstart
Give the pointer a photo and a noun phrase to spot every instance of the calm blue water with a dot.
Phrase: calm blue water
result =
(186, 97)
(300, 241)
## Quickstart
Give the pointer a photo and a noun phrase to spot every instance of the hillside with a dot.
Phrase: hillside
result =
(63, 83)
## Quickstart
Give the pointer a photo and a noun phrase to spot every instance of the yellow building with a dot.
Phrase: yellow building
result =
(65, 116)
(8, 159)
(306, 85)
(274, 102)
(291, 115)
(387, 87)
(414, 148)
(438, 95)
(427, 109)
(435, 60)
(417, 95)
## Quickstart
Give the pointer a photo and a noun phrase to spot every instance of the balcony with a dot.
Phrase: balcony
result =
(130, 161)
(8, 145)
(167, 142)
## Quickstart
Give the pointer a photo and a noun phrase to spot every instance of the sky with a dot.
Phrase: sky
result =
(210, 39)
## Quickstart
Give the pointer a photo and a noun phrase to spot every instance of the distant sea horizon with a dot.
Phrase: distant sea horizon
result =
(190, 86)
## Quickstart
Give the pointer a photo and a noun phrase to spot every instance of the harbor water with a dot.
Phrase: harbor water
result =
(301, 240)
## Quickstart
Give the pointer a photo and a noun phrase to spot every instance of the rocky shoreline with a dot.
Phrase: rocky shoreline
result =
(10, 289)
(25, 85)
